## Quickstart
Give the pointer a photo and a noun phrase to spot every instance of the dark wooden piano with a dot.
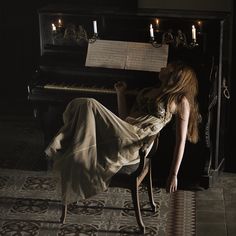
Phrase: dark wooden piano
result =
(61, 75)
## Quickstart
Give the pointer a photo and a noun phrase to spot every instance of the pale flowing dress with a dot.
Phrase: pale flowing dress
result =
(94, 143)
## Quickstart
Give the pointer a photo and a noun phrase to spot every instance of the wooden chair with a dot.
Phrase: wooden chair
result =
(131, 177)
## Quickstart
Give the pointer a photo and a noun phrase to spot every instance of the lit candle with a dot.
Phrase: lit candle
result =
(54, 28)
(193, 33)
(151, 31)
(95, 30)
(200, 26)
(59, 23)
(157, 24)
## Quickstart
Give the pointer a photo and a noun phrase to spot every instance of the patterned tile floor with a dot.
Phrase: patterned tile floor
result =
(215, 212)
(30, 205)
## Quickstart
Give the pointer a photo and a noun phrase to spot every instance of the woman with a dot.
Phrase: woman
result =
(94, 143)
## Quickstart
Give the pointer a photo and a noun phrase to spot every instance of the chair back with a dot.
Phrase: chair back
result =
(146, 155)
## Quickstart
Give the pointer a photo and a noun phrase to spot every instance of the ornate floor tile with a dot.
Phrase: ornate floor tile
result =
(30, 204)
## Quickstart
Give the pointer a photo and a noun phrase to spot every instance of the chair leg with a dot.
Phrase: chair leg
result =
(63, 214)
(150, 191)
(64, 200)
(135, 198)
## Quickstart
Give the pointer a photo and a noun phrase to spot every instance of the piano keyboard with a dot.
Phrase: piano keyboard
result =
(92, 89)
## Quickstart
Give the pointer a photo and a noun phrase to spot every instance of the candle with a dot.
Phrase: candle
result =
(193, 33)
(95, 27)
(200, 26)
(157, 24)
(59, 23)
(54, 28)
(151, 31)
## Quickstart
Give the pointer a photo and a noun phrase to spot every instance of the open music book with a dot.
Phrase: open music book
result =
(126, 55)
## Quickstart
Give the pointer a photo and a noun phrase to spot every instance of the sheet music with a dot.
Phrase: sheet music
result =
(107, 53)
(126, 55)
(143, 56)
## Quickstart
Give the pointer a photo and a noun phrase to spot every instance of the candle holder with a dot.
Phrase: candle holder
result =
(168, 38)
(57, 37)
(94, 38)
(154, 43)
(193, 44)
(180, 39)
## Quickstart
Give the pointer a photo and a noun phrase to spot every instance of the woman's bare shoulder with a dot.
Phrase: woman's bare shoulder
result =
(184, 103)
(181, 107)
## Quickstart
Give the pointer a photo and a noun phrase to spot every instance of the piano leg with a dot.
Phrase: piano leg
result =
(49, 118)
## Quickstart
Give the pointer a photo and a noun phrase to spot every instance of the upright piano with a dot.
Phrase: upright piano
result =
(198, 38)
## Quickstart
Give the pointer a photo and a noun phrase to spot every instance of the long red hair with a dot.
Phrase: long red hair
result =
(182, 82)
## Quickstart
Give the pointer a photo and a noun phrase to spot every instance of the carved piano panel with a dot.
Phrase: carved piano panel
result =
(65, 33)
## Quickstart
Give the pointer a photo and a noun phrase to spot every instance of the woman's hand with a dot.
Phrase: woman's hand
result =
(172, 182)
(120, 87)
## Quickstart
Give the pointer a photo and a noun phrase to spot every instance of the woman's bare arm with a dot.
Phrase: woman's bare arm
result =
(182, 118)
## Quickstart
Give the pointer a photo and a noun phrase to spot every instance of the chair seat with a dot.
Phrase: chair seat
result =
(128, 169)
(123, 177)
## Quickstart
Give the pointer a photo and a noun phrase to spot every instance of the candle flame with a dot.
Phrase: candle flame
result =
(199, 23)
(59, 23)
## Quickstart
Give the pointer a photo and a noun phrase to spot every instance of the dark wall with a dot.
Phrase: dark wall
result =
(16, 47)
(19, 45)
(205, 5)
